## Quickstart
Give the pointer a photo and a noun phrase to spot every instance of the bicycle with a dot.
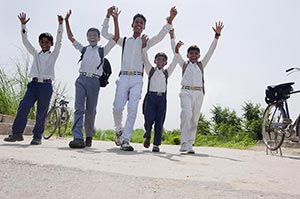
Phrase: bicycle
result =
(57, 117)
(277, 124)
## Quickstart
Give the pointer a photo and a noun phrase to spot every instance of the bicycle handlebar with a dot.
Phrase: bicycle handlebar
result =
(292, 70)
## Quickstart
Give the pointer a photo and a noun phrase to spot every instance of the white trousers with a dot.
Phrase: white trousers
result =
(191, 103)
(129, 88)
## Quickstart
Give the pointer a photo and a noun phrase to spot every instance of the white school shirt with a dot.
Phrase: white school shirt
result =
(91, 58)
(158, 79)
(132, 55)
(43, 62)
(193, 75)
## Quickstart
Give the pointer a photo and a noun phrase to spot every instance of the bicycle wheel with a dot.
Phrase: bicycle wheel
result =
(273, 127)
(64, 122)
(51, 123)
(298, 127)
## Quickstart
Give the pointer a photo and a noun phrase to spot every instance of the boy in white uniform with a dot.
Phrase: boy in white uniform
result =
(130, 83)
(192, 90)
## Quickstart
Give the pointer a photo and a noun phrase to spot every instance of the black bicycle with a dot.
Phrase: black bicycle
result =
(57, 117)
(277, 124)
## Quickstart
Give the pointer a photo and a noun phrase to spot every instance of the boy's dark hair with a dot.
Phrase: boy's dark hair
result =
(46, 35)
(161, 54)
(193, 47)
(139, 15)
(93, 30)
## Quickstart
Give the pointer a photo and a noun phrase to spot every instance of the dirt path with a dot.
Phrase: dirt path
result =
(52, 170)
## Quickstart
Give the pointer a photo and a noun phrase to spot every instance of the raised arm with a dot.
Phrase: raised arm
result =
(217, 29)
(68, 28)
(164, 31)
(147, 63)
(115, 14)
(27, 44)
(105, 25)
(59, 34)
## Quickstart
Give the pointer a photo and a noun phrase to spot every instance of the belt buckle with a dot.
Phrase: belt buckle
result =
(192, 87)
(89, 74)
(130, 72)
(39, 80)
(159, 93)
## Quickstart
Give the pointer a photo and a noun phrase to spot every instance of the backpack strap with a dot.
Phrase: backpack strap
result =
(123, 45)
(82, 53)
(101, 54)
(152, 70)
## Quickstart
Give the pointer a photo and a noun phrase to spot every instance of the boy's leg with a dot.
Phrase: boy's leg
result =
(91, 105)
(132, 106)
(149, 115)
(197, 104)
(159, 119)
(185, 115)
(80, 94)
(121, 97)
(25, 105)
(44, 94)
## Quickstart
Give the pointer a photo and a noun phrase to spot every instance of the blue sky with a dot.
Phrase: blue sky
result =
(260, 40)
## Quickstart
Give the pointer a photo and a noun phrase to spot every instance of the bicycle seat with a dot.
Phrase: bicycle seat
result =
(280, 86)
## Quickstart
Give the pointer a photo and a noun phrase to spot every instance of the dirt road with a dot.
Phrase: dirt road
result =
(54, 171)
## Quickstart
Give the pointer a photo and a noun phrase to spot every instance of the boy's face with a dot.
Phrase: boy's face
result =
(160, 62)
(45, 44)
(193, 56)
(138, 25)
(93, 38)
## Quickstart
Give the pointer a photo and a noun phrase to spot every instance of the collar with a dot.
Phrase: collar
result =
(47, 52)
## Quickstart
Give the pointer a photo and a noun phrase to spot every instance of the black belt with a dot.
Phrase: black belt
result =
(40, 80)
(157, 93)
(89, 74)
(131, 73)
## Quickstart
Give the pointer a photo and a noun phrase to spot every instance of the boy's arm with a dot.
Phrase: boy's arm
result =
(59, 34)
(176, 59)
(104, 30)
(27, 44)
(147, 63)
(166, 28)
(217, 30)
(115, 14)
(68, 28)
(176, 51)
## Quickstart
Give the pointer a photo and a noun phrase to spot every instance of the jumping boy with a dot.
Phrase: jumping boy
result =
(87, 84)
(192, 90)
(155, 102)
(40, 88)
(130, 82)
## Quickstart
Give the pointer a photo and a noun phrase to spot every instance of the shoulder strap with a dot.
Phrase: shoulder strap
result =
(202, 70)
(123, 45)
(101, 54)
(82, 53)
(152, 70)
(184, 66)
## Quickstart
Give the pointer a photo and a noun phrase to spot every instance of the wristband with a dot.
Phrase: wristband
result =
(217, 34)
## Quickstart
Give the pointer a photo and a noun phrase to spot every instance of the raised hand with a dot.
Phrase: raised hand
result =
(218, 28)
(171, 33)
(178, 45)
(60, 19)
(22, 17)
(115, 12)
(145, 39)
(173, 13)
(68, 15)
(110, 11)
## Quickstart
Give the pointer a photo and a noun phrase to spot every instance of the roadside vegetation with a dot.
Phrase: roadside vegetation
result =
(223, 129)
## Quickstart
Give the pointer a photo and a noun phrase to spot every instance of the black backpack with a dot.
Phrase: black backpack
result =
(106, 66)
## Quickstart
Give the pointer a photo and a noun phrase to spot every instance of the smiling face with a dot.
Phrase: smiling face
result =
(138, 26)
(193, 56)
(160, 61)
(93, 37)
(45, 44)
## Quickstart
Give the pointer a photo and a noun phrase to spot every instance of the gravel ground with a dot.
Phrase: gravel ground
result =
(52, 170)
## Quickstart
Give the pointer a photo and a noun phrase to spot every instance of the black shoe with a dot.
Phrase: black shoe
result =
(36, 141)
(125, 146)
(155, 148)
(88, 141)
(14, 138)
(147, 142)
(77, 143)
